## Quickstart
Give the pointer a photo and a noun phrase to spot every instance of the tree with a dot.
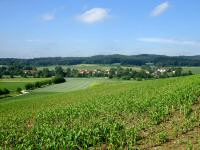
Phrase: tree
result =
(46, 73)
(68, 72)
(178, 71)
(38, 84)
(190, 72)
(29, 86)
(148, 68)
(75, 73)
(11, 76)
(164, 75)
(112, 72)
(5, 91)
(1, 92)
(127, 77)
(119, 71)
(59, 72)
(57, 80)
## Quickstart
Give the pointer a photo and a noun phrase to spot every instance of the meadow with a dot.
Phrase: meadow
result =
(195, 70)
(162, 113)
(13, 83)
(73, 84)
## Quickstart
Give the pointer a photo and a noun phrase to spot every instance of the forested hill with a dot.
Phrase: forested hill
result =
(107, 59)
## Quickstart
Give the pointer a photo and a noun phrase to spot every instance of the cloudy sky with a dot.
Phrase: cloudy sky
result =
(42, 28)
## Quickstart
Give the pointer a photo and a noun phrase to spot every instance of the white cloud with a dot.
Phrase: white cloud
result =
(169, 41)
(48, 17)
(94, 15)
(160, 9)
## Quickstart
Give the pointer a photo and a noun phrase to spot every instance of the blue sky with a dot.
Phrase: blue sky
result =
(42, 28)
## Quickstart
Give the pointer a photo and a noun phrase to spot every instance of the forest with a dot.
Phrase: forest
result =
(138, 60)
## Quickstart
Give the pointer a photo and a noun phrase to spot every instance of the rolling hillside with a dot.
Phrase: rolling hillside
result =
(72, 84)
(148, 114)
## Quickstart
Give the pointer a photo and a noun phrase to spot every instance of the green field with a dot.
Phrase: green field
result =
(12, 86)
(72, 84)
(162, 114)
(195, 70)
(13, 83)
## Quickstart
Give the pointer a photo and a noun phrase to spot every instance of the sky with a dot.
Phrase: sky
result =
(51, 28)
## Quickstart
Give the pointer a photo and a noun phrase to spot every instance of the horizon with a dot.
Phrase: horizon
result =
(98, 55)
(83, 28)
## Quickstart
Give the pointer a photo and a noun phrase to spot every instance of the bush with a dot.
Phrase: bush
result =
(18, 90)
(4, 91)
(44, 82)
(126, 77)
(110, 76)
(138, 79)
(38, 84)
(29, 86)
(57, 80)
(50, 82)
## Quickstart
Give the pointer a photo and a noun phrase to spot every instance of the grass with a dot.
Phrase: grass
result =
(72, 84)
(12, 86)
(195, 70)
(13, 83)
(112, 115)
(22, 79)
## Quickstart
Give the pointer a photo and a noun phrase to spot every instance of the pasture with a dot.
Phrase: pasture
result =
(195, 70)
(113, 115)
(72, 84)
(13, 83)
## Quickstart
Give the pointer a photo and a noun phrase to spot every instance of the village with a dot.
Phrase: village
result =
(145, 72)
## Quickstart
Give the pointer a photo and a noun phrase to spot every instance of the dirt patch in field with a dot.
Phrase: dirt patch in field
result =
(30, 123)
(187, 135)
(189, 140)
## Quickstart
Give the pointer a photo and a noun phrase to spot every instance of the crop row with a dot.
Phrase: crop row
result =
(114, 119)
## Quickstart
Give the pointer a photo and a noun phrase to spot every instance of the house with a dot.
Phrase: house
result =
(107, 71)
(162, 70)
(147, 72)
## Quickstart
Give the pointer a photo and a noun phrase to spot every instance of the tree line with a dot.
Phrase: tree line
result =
(39, 84)
(147, 72)
(139, 60)
(119, 72)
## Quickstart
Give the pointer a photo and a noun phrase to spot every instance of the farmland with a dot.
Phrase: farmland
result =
(99, 75)
(72, 84)
(147, 114)
(14, 83)
(195, 70)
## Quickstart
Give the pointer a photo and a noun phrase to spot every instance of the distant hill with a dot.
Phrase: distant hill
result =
(108, 59)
